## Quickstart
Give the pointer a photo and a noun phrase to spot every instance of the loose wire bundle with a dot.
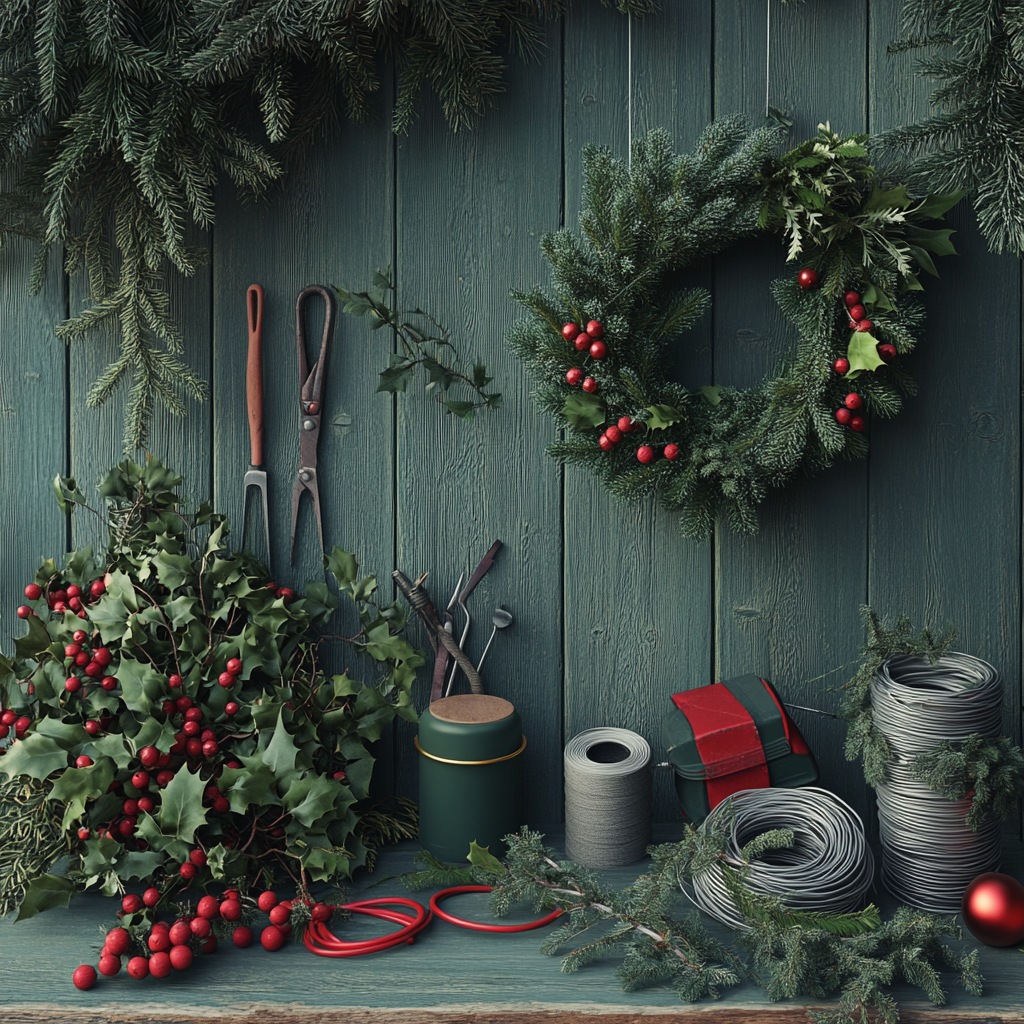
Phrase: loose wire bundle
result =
(828, 869)
(930, 855)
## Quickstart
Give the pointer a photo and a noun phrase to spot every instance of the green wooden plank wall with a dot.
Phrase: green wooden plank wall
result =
(614, 610)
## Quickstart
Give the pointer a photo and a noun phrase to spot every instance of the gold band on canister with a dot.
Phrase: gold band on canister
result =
(448, 760)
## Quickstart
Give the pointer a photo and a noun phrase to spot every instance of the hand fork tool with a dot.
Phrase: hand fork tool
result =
(255, 476)
(311, 383)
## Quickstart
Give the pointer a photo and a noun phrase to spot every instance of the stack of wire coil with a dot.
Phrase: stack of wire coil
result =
(828, 869)
(929, 854)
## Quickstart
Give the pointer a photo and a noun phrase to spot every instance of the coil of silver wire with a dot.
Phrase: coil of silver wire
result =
(929, 853)
(829, 868)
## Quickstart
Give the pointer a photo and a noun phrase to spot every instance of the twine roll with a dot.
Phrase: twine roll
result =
(929, 854)
(829, 868)
(607, 798)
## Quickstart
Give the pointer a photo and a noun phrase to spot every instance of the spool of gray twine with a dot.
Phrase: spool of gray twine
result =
(929, 854)
(607, 798)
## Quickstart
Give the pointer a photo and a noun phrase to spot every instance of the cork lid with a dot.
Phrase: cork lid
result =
(471, 708)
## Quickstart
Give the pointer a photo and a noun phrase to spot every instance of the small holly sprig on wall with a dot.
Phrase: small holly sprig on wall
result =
(425, 345)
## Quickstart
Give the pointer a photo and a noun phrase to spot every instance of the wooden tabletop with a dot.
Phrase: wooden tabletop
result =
(448, 974)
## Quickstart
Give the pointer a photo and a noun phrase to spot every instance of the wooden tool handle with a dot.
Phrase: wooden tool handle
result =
(254, 372)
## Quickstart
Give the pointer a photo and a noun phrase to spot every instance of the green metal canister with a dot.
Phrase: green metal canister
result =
(471, 776)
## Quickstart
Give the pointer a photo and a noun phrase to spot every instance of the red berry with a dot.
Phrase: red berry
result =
(109, 965)
(226, 679)
(184, 703)
(74, 591)
(162, 778)
(209, 906)
(79, 636)
(94, 670)
(234, 666)
(174, 681)
(163, 760)
(200, 927)
(24, 611)
(320, 912)
(857, 312)
(645, 454)
(146, 805)
(83, 833)
(198, 857)
(606, 443)
(97, 588)
(210, 944)
(625, 424)
(160, 965)
(279, 914)
(887, 353)
(582, 342)
(102, 656)
(857, 423)
(807, 278)
(108, 682)
(149, 756)
(208, 734)
(843, 415)
(671, 451)
(72, 683)
(117, 941)
(179, 932)
(151, 897)
(21, 725)
(590, 385)
(181, 958)
(83, 761)
(131, 807)
(284, 929)
(84, 976)
(8, 717)
(60, 607)
(33, 591)
(569, 331)
(574, 376)
(864, 326)
(191, 728)
(852, 325)
(230, 708)
(75, 604)
(138, 967)
(242, 937)
(231, 910)
(221, 804)
(595, 329)
(841, 366)
(82, 659)
(140, 780)
(127, 827)
(131, 904)
(267, 900)
(159, 941)
(851, 298)
(188, 871)
(598, 350)
(210, 748)
(194, 715)
(271, 938)
(71, 650)
(194, 747)
(853, 400)
(92, 727)
(613, 434)
(285, 593)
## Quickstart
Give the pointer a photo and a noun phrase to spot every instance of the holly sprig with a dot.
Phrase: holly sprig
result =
(182, 630)
(425, 345)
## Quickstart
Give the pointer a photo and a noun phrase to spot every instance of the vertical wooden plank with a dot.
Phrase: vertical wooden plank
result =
(788, 598)
(945, 479)
(471, 209)
(33, 428)
(637, 594)
(180, 442)
(332, 225)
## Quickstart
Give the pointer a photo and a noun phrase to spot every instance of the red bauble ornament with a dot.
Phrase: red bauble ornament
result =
(582, 341)
(595, 329)
(590, 385)
(606, 443)
(851, 298)
(887, 352)
(569, 331)
(613, 434)
(857, 423)
(858, 312)
(598, 350)
(993, 909)
(671, 451)
(574, 376)
(864, 326)
(808, 278)
(843, 415)
(645, 454)
(841, 366)
(853, 400)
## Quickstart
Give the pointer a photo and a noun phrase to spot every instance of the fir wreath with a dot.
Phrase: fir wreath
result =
(714, 451)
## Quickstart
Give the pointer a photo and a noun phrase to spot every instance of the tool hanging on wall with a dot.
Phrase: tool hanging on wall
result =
(311, 382)
(255, 475)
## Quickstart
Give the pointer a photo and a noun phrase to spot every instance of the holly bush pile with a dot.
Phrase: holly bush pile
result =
(169, 699)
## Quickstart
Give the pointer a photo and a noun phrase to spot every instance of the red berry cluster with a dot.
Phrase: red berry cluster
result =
(845, 414)
(63, 599)
(9, 719)
(614, 434)
(858, 314)
(649, 453)
(585, 340)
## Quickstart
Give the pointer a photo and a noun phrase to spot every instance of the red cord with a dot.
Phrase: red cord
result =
(320, 940)
(435, 901)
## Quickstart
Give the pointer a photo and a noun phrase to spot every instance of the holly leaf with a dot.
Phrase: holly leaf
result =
(45, 893)
(585, 411)
(149, 830)
(891, 199)
(862, 353)
(77, 785)
(67, 734)
(936, 240)
(99, 855)
(181, 806)
(664, 416)
(342, 565)
(397, 376)
(181, 610)
(224, 864)
(252, 784)
(34, 642)
(310, 797)
(139, 863)
(111, 616)
(873, 296)
(464, 410)
(154, 733)
(35, 755)
(711, 393)
(114, 747)
(281, 751)
(141, 685)
(937, 205)
(358, 774)
(481, 857)
(173, 570)
(119, 584)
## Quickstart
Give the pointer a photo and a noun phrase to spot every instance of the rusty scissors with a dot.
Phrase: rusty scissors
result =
(311, 384)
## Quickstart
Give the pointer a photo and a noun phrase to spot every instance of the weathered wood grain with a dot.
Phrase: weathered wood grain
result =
(471, 210)
(788, 598)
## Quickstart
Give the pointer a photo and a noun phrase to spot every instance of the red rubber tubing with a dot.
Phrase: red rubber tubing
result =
(479, 926)
(320, 940)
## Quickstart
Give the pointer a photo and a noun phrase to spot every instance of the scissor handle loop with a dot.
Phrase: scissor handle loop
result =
(312, 383)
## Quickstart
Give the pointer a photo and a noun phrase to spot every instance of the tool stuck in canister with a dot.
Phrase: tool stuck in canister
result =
(478, 574)
(311, 383)
(255, 475)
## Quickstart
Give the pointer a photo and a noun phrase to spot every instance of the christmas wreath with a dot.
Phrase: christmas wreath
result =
(166, 715)
(600, 344)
